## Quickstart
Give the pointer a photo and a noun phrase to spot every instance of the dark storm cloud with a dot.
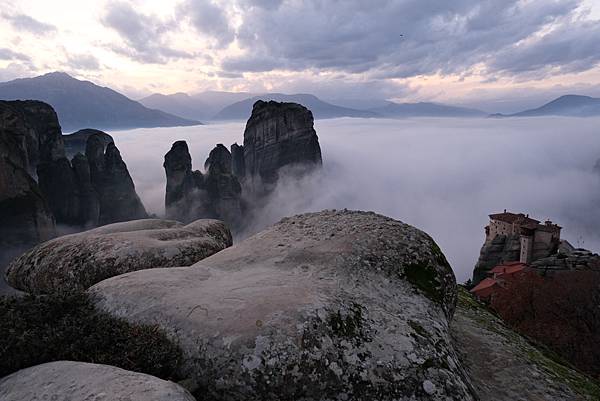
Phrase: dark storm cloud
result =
(7, 54)
(23, 22)
(398, 39)
(143, 34)
(209, 19)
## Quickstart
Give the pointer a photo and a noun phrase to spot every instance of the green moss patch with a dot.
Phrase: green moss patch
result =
(424, 277)
(40, 329)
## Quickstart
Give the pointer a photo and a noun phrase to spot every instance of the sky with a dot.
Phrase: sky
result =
(444, 176)
(499, 55)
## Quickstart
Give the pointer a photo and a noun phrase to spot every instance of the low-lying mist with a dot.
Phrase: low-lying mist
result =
(442, 175)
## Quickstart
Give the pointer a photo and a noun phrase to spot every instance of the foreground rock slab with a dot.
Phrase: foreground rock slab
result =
(330, 305)
(75, 262)
(77, 381)
(503, 366)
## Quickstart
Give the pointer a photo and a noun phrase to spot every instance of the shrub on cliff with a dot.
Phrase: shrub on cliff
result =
(39, 329)
(559, 310)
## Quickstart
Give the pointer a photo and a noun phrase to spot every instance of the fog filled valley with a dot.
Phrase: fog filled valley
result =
(443, 176)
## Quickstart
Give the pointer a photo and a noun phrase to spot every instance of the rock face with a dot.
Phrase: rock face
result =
(90, 190)
(75, 262)
(278, 135)
(192, 195)
(503, 366)
(25, 216)
(35, 129)
(503, 248)
(223, 188)
(48, 186)
(238, 166)
(110, 178)
(329, 305)
(77, 381)
(76, 142)
(572, 259)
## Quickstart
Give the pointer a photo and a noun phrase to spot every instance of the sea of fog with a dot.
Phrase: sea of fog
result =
(442, 175)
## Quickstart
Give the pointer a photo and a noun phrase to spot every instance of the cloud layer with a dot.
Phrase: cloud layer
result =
(24, 22)
(412, 50)
(442, 175)
(400, 39)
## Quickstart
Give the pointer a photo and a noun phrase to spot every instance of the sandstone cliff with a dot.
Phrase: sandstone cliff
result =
(77, 141)
(502, 248)
(192, 195)
(25, 216)
(117, 198)
(279, 137)
(40, 186)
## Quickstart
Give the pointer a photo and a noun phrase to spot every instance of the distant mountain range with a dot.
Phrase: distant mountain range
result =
(82, 104)
(197, 106)
(241, 110)
(423, 109)
(568, 105)
(201, 106)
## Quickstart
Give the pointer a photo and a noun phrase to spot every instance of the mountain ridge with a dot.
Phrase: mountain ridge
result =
(82, 104)
(320, 109)
(569, 105)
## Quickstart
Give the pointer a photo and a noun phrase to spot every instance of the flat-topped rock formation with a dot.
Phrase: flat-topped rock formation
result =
(77, 261)
(77, 381)
(278, 137)
(319, 305)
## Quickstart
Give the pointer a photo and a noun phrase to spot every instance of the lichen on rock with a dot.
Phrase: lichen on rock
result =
(77, 261)
(318, 306)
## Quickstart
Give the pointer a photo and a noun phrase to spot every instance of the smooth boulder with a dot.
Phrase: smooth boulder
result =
(75, 262)
(78, 381)
(330, 305)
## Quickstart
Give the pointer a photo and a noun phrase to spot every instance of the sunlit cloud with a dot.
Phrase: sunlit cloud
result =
(402, 50)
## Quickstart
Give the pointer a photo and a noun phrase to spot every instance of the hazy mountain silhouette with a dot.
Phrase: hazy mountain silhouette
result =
(200, 106)
(241, 110)
(82, 104)
(567, 105)
(424, 109)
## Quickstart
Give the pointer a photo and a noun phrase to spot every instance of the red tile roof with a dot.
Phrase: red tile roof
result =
(509, 217)
(483, 284)
(509, 268)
